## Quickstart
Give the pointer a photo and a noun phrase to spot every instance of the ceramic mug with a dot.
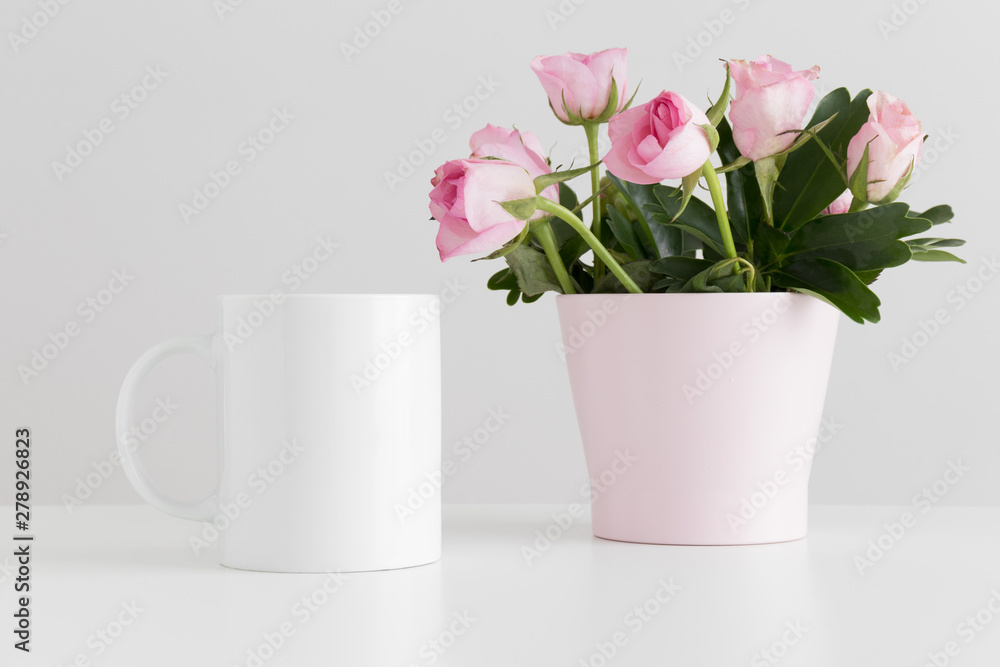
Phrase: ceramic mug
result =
(329, 418)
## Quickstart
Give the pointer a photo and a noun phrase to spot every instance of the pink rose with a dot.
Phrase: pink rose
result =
(841, 204)
(894, 140)
(522, 148)
(584, 82)
(658, 140)
(770, 99)
(465, 200)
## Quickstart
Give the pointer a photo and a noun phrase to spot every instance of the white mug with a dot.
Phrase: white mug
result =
(329, 418)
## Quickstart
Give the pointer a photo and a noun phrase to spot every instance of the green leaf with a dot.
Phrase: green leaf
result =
(718, 277)
(733, 166)
(697, 218)
(767, 170)
(809, 182)
(868, 277)
(521, 209)
(688, 185)
(834, 283)
(938, 214)
(933, 255)
(667, 242)
(622, 229)
(502, 280)
(637, 271)
(718, 110)
(560, 228)
(680, 268)
(533, 272)
(805, 136)
(929, 249)
(581, 276)
(746, 209)
(668, 284)
(770, 244)
(709, 243)
(713, 137)
(546, 180)
(573, 249)
(567, 198)
(937, 243)
(858, 181)
(862, 241)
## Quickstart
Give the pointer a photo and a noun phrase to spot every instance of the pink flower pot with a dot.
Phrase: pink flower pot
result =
(698, 412)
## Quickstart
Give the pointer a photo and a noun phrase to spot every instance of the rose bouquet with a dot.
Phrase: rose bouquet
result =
(808, 206)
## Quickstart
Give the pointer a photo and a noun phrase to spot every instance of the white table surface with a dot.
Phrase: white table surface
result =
(730, 603)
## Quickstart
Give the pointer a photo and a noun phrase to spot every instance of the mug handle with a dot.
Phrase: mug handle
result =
(201, 346)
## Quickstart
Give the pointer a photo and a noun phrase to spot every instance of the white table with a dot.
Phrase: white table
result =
(483, 604)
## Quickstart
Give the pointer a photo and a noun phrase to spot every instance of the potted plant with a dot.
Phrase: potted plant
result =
(699, 337)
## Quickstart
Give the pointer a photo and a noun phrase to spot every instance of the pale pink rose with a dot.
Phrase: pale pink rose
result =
(770, 100)
(521, 148)
(894, 139)
(840, 205)
(583, 81)
(658, 140)
(465, 200)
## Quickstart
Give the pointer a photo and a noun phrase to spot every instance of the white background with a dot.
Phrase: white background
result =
(324, 176)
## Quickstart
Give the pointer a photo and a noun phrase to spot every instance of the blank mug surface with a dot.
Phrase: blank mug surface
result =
(329, 420)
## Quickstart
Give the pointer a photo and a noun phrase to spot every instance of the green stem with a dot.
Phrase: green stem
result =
(595, 182)
(857, 205)
(595, 244)
(543, 232)
(708, 171)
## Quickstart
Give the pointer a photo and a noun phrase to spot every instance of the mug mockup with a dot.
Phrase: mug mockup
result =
(329, 418)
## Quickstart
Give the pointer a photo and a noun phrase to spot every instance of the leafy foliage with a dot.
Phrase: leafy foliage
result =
(668, 241)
